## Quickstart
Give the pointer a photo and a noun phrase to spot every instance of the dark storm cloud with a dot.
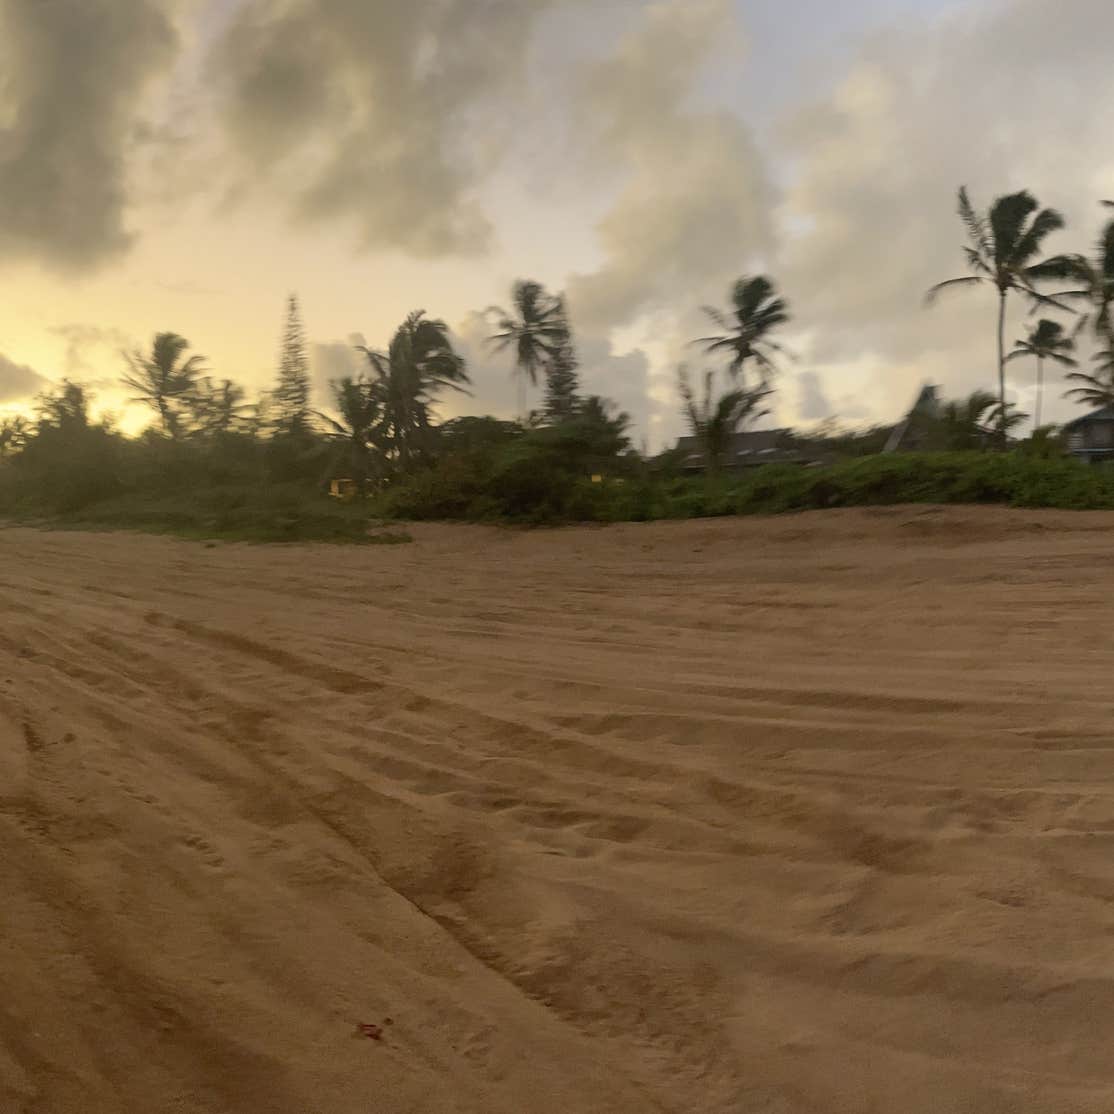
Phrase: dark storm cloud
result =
(75, 72)
(18, 383)
(367, 109)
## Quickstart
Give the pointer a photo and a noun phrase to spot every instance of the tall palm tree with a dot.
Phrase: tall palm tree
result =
(714, 421)
(756, 311)
(1048, 341)
(1096, 389)
(419, 364)
(534, 327)
(1004, 251)
(359, 403)
(163, 380)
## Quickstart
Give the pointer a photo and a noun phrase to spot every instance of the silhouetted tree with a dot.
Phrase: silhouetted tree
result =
(1004, 250)
(1047, 341)
(360, 407)
(756, 311)
(561, 380)
(65, 409)
(289, 402)
(1096, 389)
(14, 432)
(419, 364)
(1096, 285)
(714, 421)
(163, 380)
(218, 408)
(975, 421)
(533, 328)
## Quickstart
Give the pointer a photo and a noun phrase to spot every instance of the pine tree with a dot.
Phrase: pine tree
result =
(561, 380)
(290, 399)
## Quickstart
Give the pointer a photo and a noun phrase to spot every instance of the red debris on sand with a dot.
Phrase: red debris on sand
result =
(372, 1032)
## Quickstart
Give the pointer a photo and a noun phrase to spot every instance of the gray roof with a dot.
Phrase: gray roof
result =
(752, 440)
(927, 405)
(1103, 414)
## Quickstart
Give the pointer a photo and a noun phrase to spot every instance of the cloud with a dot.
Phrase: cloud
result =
(75, 71)
(695, 202)
(19, 382)
(84, 341)
(493, 389)
(994, 96)
(335, 360)
(373, 110)
(812, 402)
(693, 208)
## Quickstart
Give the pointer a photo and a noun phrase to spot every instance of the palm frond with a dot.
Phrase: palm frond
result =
(975, 225)
(934, 292)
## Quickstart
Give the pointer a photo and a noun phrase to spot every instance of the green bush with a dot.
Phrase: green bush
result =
(528, 483)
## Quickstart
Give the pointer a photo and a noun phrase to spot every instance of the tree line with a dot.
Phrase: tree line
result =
(383, 425)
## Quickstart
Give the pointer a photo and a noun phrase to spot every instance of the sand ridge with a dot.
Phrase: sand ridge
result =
(810, 814)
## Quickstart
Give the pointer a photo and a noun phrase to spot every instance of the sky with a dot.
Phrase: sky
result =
(184, 165)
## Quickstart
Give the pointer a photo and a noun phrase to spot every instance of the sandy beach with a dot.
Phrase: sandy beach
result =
(812, 815)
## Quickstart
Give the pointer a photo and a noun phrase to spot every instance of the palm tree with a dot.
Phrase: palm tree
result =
(419, 364)
(217, 407)
(1098, 389)
(756, 311)
(360, 406)
(714, 421)
(161, 381)
(535, 327)
(1047, 341)
(1096, 285)
(1004, 251)
(971, 422)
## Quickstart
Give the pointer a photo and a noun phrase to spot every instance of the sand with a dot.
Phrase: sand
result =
(805, 815)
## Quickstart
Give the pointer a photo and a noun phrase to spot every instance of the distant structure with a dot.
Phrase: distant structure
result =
(914, 431)
(746, 449)
(1091, 437)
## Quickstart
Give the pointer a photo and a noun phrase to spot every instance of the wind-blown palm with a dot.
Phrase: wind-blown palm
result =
(1096, 285)
(1004, 251)
(419, 364)
(1096, 389)
(712, 420)
(969, 422)
(756, 311)
(1048, 341)
(534, 327)
(359, 403)
(161, 381)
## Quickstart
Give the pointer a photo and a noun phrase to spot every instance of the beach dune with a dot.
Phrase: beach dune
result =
(812, 815)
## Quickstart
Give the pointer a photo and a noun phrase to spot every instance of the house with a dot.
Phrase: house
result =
(1091, 437)
(914, 432)
(745, 450)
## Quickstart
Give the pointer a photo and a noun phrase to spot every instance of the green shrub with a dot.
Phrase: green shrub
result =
(528, 483)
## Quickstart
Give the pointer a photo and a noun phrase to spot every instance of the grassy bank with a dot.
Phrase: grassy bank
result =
(525, 490)
(287, 513)
(533, 493)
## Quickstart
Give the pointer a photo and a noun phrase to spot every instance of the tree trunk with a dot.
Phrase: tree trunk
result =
(1040, 393)
(522, 398)
(1002, 367)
